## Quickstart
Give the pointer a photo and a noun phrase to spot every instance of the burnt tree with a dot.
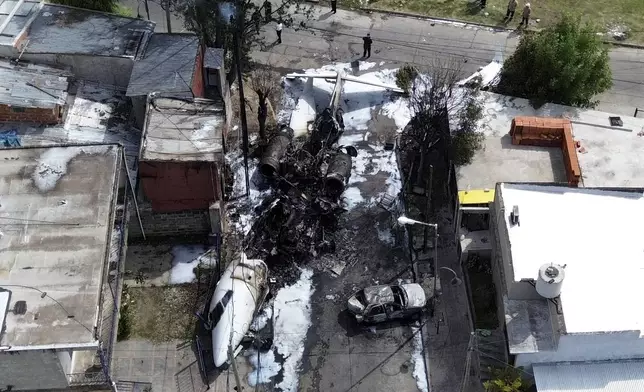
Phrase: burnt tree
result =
(265, 83)
(442, 131)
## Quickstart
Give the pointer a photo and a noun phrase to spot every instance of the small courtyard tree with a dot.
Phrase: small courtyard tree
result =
(444, 123)
(508, 379)
(566, 63)
(265, 83)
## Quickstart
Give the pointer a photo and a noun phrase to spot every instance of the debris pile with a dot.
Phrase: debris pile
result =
(299, 218)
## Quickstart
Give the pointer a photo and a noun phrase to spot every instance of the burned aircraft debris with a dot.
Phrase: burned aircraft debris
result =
(298, 220)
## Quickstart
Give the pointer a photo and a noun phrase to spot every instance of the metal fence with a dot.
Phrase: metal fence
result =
(108, 306)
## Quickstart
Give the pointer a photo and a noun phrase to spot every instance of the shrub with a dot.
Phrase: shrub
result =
(405, 77)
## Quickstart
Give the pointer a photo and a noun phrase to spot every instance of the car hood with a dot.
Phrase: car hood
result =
(354, 305)
(415, 295)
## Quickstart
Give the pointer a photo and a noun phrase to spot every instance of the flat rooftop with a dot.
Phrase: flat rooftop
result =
(32, 86)
(57, 211)
(68, 30)
(183, 130)
(17, 15)
(95, 114)
(608, 156)
(588, 230)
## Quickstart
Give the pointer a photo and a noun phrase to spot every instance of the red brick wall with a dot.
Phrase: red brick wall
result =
(549, 132)
(179, 186)
(40, 116)
(198, 88)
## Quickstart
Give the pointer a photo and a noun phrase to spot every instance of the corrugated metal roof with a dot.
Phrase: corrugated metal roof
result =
(14, 17)
(214, 58)
(167, 66)
(616, 376)
(184, 130)
(32, 86)
(66, 30)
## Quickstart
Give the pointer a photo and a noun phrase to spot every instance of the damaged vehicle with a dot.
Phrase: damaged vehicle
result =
(242, 289)
(377, 304)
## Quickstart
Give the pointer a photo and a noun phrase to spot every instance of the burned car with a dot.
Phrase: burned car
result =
(376, 304)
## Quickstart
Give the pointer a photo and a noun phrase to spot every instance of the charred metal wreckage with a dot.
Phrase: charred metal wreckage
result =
(308, 177)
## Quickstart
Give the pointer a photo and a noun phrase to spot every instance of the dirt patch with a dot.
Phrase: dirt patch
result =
(162, 314)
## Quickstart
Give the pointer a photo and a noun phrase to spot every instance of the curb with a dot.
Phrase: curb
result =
(489, 26)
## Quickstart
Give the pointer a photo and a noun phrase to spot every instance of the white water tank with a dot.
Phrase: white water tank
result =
(550, 280)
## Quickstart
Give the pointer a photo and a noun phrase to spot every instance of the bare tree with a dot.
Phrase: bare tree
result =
(444, 117)
(265, 83)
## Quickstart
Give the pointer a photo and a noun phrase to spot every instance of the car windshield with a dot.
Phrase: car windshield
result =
(360, 297)
(218, 311)
(399, 295)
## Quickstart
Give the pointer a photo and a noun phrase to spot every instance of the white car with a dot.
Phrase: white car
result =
(376, 304)
(239, 293)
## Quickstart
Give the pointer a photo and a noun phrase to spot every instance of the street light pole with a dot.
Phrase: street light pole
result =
(242, 101)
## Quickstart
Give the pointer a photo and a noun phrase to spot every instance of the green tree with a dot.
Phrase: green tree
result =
(566, 64)
(507, 379)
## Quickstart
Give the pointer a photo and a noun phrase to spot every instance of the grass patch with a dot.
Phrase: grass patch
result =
(603, 12)
(162, 313)
(479, 273)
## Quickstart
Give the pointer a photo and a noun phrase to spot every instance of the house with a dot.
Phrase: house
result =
(180, 161)
(67, 189)
(56, 307)
(567, 269)
(31, 92)
(177, 65)
(523, 144)
(94, 46)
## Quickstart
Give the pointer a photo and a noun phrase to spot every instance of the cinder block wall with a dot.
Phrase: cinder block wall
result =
(155, 224)
(34, 115)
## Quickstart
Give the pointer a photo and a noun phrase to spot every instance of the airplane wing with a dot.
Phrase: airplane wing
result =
(330, 75)
(385, 86)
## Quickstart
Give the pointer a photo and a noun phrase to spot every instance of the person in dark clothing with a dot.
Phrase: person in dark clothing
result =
(278, 30)
(268, 10)
(334, 6)
(483, 4)
(366, 45)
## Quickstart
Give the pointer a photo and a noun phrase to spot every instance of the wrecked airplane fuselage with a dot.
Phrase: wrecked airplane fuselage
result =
(241, 290)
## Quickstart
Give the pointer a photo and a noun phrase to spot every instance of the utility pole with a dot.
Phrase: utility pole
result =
(242, 100)
(428, 204)
(233, 364)
(167, 15)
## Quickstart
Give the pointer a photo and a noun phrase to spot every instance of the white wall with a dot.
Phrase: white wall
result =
(65, 358)
(589, 347)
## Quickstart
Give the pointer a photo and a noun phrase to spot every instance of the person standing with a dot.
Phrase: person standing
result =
(512, 6)
(366, 45)
(278, 30)
(268, 10)
(334, 6)
(526, 14)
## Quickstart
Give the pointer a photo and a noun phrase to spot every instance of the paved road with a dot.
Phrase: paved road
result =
(397, 39)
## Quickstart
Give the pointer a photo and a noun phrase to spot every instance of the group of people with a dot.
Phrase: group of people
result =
(512, 6)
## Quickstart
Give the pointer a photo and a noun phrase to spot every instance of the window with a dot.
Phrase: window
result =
(17, 109)
(376, 310)
(218, 311)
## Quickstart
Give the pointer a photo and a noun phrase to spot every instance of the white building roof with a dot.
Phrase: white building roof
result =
(597, 235)
(616, 376)
(609, 156)
(57, 215)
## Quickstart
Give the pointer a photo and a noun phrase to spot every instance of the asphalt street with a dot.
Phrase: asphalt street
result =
(330, 37)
